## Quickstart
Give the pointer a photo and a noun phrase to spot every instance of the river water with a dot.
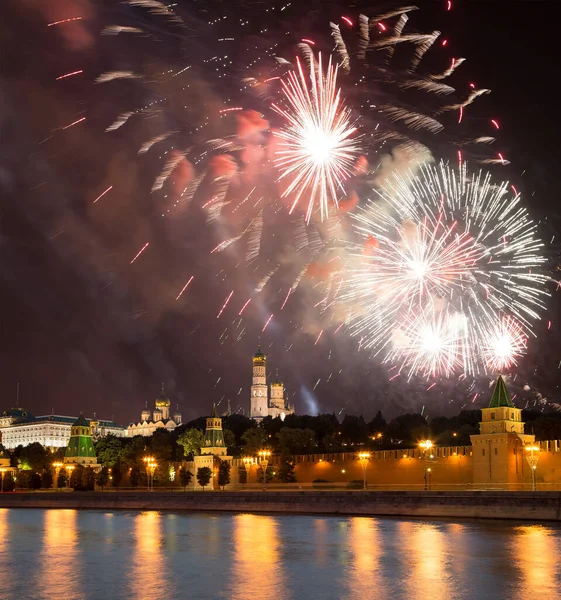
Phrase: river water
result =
(98, 555)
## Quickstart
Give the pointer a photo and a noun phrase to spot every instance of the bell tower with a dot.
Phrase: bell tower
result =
(259, 402)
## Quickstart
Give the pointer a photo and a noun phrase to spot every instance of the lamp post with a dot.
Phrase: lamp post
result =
(426, 445)
(264, 456)
(247, 461)
(364, 457)
(58, 467)
(2, 472)
(69, 469)
(532, 458)
(150, 470)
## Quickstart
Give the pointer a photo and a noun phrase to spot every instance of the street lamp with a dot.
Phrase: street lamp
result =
(2, 472)
(426, 445)
(69, 468)
(58, 467)
(247, 461)
(533, 462)
(150, 470)
(364, 457)
(264, 456)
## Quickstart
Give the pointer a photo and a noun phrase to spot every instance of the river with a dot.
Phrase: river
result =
(98, 555)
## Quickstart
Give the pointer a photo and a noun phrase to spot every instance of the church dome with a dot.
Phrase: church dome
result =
(162, 399)
(259, 356)
(277, 383)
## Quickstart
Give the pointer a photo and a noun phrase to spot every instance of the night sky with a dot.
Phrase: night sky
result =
(82, 329)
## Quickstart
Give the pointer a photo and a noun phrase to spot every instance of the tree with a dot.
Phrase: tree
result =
(408, 429)
(35, 481)
(102, 478)
(24, 479)
(378, 424)
(296, 441)
(134, 476)
(223, 474)
(242, 474)
(47, 479)
(88, 479)
(185, 477)
(109, 450)
(76, 477)
(286, 472)
(9, 483)
(260, 474)
(61, 483)
(229, 439)
(33, 457)
(353, 430)
(116, 476)
(191, 440)
(203, 476)
(254, 439)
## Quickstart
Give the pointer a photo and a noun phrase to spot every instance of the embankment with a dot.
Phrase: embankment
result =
(488, 505)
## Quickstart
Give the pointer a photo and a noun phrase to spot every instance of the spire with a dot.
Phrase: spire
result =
(163, 392)
(500, 396)
(214, 414)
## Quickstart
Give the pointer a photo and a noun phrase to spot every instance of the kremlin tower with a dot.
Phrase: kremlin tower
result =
(261, 403)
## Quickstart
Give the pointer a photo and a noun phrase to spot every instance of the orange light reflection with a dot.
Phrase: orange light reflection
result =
(257, 571)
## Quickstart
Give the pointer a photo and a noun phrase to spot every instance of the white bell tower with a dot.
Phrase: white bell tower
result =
(259, 403)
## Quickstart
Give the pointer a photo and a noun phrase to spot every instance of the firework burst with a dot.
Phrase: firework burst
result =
(448, 277)
(317, 148)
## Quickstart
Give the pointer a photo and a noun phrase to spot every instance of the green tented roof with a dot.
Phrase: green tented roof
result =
(500, 396)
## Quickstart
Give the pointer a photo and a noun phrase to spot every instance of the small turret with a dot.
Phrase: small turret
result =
(177, 416)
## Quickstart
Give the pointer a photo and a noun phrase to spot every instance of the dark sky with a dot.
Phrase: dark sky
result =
(82, 329)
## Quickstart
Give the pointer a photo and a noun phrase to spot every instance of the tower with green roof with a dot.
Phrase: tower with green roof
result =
(498, 449)
(80, 449)
(213, 449)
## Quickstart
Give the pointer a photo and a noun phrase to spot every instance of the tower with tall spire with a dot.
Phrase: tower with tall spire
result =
(498, 450)
(213, 449)
(261, 403)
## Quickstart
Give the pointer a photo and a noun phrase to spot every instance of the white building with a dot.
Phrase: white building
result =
(19, 427)
(261, 404)
(159, 418)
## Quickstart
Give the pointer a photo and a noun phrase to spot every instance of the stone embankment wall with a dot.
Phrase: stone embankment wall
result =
(498, 505)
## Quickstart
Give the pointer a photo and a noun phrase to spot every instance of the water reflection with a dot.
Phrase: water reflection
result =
(428, 560)
(536, 553)
(257, 572)
(61, 564)
(148, 579)
(365, 550)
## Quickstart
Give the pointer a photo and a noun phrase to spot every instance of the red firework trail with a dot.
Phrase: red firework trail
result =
(69, 75)
(285, 300)
(267, 323)
(140, 252)
(243, 308)
(64, 21)
(185, 287)
(318, 338)
(75, 122)
(225, 304)
(103, 194)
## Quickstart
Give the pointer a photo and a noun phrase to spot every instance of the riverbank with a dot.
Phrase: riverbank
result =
(539, 506)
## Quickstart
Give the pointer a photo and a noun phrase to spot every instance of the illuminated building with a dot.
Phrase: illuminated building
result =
(213, 449)
(18, 427)
(261, 404)
(159, 418)
(80, 449)
(498, 450)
